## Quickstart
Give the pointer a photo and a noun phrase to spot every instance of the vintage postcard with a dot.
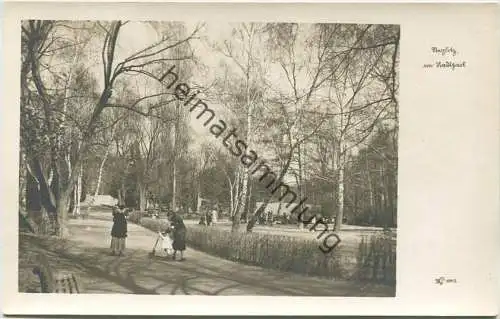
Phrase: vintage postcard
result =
(250, 159)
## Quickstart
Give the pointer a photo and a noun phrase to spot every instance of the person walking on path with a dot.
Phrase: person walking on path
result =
(179, 243)
(118, 232)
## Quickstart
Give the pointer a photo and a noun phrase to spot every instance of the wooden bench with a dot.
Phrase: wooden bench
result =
(55, 282)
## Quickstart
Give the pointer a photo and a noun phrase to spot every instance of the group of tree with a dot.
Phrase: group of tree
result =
(317, 101)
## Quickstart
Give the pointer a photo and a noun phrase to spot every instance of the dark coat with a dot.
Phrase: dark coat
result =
(119, 229)
(179, 242)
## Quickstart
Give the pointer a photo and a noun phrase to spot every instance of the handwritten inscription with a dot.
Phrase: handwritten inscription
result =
(442, 280)
(446, 59)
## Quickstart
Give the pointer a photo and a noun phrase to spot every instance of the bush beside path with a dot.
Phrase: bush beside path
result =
(86, 253)
(366, 255)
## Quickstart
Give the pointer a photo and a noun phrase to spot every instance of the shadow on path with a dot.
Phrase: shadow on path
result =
(87, 255)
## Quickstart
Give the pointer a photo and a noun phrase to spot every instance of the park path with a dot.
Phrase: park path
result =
(199, 274)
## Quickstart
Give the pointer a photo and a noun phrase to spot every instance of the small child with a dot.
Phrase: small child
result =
(213, 216)
(167, 241)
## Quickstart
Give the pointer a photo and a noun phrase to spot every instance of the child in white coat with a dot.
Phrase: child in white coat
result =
(166, 242)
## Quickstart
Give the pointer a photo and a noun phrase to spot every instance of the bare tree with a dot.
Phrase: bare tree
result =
(242, 53)
(356, 101)
(36, 40)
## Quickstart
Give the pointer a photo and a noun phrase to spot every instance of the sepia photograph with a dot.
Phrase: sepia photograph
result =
(208, 158)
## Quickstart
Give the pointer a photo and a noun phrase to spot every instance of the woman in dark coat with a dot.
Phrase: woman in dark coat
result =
(179, 243)
(118, 232)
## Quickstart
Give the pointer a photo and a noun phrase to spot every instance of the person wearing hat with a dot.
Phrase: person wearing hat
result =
(179, 242)
(118, 232)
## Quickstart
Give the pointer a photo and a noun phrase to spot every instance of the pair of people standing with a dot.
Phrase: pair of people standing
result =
(210, 217)
(119, 233)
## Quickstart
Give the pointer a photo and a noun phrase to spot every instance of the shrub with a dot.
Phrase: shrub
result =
(293, 254)
(153, 224)
(135, 216)
(377, 259)
(267, 250)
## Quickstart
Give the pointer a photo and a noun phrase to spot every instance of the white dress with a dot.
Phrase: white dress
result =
(166, 243)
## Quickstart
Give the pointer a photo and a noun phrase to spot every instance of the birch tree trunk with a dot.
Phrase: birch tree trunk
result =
(120, 197)
(370, 186)
(78, 193)
(142, 197)
(99, 178)
(300, 182)
(75, 200)
(174, 165)
(245, 177)
(23, 173)
(174, 186)
(340, 200)
(198, 193)
(231, 194)
(123, 193)
(247, 68)
(340, 184)
(198, 201)
(243, 194)
(241, 201)
(299, 162)
(237, 188)
(68, 163)
(249, 207)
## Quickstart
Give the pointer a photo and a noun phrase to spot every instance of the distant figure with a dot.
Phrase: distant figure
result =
(213, 216)
(179, 243)
(285, 218)
(203, 220)
(118, 232)
(208, 215)
(269, 218)
(313, 222)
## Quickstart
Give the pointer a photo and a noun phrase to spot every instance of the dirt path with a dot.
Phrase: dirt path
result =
(87, 253)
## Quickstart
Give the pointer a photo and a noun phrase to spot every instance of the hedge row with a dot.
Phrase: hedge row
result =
(373, 260)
